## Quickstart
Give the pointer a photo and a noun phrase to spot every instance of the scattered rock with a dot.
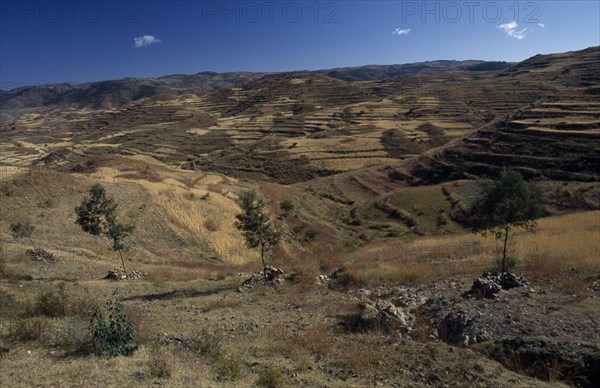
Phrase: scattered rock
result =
(39, 254)
(274, 276)
(119, 274)
(458, 328)
(184, 339)
(339, 279)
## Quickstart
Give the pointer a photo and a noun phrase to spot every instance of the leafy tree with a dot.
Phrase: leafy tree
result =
(97, 215)
(255, 224)
(506, 204)
(22, 230)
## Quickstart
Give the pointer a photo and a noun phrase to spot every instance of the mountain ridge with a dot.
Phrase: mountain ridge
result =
(120, 92)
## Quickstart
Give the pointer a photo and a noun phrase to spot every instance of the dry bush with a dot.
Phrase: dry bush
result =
(51, 304)
(420, 332)
(544, 266)
(2, 260)
(284, 340)
(375, 273)
(160, 363)
(575, 287)
(303, 270)
(162, 274)
(272, 377)
(28, 329)
(227, 367)
(222, 303)
(207, 344)
(317, 339)
(139, 317)
(72, 335)
(211, 225)
(362, 354)
(57, 302)
(215, 188)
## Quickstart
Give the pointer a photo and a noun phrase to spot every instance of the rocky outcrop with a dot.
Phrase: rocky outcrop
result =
(459, 328)
(380, 315)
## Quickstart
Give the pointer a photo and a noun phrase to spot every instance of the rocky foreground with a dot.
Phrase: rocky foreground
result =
(534, 327)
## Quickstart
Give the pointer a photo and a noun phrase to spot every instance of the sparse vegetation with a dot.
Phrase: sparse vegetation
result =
(270, 378)
(505, 205)
(377, 261)
(256, 227)
(97, 215)
(21, 230)
(286, 206)
(113, 332)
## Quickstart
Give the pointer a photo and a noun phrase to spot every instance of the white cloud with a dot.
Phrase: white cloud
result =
(542, 25)
(145, 40)
(510, 29)
(400, 32)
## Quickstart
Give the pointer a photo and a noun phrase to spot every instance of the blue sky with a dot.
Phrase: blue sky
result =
(47, 42)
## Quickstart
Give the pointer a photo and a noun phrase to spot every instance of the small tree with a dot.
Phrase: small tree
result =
(97, 215)
(287, 206)
(506, 204)
(256, 226)
(22, 230)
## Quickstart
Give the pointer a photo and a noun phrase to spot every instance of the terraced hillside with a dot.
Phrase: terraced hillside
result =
(293, 127)
(554, 137)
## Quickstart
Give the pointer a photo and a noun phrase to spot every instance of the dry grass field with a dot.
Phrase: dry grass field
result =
(292, 335)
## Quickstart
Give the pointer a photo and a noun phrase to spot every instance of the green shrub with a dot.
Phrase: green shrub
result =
(311, 235)
(287, 206)
(51, 304)
(114, 334)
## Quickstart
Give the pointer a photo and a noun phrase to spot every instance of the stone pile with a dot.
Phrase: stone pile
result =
(39, 254)
(274, 277)
(119, 274)
(490, 284)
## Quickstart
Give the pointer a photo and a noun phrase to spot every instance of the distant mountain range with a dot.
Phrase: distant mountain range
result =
(117, 93)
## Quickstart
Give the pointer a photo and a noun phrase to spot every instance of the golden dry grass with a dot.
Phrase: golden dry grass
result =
(565, 242)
